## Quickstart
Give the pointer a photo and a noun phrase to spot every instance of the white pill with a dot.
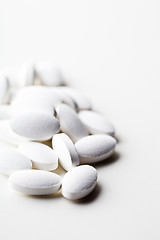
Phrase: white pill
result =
(65, 151)
(11, 160)
(79, 98)
(26, 75)
(95, 148)
(96, 123)
(35, 182)
(4, 89)
(36, 126)
(79, 182)
(42, 156)
(70, 123)
(5, 112)
(35, 98)
(65, 98)
(8, 135)
(48, 74)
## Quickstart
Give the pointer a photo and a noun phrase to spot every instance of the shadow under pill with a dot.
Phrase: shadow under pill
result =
(91, 197)
(112, 159)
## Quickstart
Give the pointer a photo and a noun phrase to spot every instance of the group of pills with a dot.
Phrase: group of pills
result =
(35, 108)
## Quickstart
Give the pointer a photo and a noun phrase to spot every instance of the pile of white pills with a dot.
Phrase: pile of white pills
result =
(35, 108)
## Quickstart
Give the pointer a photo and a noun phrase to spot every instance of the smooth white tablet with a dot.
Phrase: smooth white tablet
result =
(70, 123)
(82, 102)
(35, 182)
(11, 160)
(48, 74)
(8, 135)
(65, 151)
(5, 112)
(79, 182)
(65, 98)
(36, 126)
(96, 123)
(35, 98)
(26, 75)
(42, 156)
(95, 148)
(4, 89)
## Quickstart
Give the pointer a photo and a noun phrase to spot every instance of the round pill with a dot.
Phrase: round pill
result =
(35, 182)
(65, 151)
(4, 89)
(42, 156)
(79, 182)
(48, 74)
(70, 122)
(11, 160)
(96, 123)
(8, 135)
(36, 126)
(79, 98)
(95, 148)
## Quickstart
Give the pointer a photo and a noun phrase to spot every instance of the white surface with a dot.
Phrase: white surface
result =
(109, 46)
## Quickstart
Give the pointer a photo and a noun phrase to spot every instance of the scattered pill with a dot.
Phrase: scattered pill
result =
(12, 160)
(80, 99)
(35, 182)
(70, 122)
(8, 135)
(79, 182)
(48, 74)
(35, 98)
(65, 151)
(35, 126)
(96, 123)
(26, 75)
(42, 156)
(34, 108)
(95, 148)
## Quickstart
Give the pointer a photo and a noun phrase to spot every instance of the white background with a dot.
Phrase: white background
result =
(111, 51)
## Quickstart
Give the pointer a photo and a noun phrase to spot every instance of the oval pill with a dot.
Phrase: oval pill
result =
(8, 135)
(65, 150)
(36, 126)
(35, 182)
(79, 182)
(96, 123)
(48, 74)
(95, 148)
(82, 102)
(42, 156)
(70, 122)
(26, 75)
(12, 160)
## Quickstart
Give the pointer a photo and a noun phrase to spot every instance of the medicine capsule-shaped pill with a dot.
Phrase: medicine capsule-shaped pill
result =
(65, 150)
(48, 74)
(96, 123)
(12, 160)
(95, 148)
(79, 98)
(35, 182)
(36, 126)
(79, 182)
(70, 122)
(42, 156)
